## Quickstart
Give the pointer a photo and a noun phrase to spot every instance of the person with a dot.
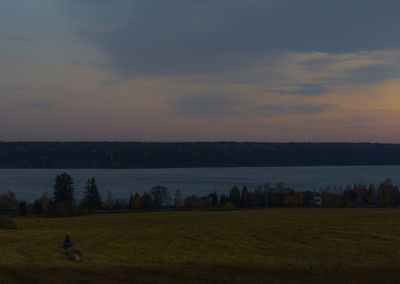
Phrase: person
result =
(67, 243)
(70, 252)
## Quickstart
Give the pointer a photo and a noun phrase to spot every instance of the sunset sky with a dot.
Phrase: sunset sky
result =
(267, 70)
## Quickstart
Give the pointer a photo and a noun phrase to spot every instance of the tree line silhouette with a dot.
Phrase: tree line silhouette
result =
(204, 154)
(63, 203)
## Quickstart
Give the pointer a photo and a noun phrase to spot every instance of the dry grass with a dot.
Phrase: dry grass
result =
(6, 223)
(254, 246)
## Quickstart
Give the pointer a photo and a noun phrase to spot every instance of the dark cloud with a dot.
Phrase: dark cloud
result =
(285, 109)
(371, 74)
(226, 104)
(209, 105)
(304, 89)
(179, 36)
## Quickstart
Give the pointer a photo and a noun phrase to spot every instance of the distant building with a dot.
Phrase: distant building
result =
(317, 200)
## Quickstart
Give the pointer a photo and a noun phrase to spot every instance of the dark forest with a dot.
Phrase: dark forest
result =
(176, 155)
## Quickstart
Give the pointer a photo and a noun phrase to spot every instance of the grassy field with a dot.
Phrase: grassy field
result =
(249, 246)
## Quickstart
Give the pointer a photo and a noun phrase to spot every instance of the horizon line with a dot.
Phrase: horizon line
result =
(198, 142)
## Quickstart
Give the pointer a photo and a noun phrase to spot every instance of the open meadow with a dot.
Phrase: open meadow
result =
(238, 246)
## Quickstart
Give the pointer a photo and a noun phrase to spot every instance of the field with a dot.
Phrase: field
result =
(248, 246)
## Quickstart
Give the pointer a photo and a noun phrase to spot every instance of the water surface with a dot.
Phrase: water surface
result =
(29, 184)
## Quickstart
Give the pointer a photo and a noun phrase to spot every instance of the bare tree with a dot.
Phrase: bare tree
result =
(178, 200)
(160, 196)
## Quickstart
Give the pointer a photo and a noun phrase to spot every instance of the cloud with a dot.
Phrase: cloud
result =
(371, 74)
(217, 104)
(304, 89)
(288, 109)
(40, 104)
(156, 38)
(19, 88)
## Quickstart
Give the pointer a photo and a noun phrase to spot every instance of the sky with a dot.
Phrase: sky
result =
(186, 70)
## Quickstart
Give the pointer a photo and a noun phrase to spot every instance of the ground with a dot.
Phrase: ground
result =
(253, 246)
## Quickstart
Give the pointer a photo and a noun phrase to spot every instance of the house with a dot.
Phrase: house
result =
(317, 200)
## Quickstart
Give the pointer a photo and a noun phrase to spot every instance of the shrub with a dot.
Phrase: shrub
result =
(192, 202)
(229, 205)
(8, 201)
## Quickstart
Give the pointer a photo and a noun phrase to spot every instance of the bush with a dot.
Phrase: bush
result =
(8, 201)
(229, 205)
(73, 254)
(192, 202)
(63, 209)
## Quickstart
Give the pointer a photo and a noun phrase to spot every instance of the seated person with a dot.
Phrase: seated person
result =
(67, 243)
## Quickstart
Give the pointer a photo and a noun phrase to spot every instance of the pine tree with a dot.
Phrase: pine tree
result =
(22, 208)
(92, 199)
(136, 201)
(37, 208)
(244, 197)
(214, 202)
(63, 189)
(234, 196)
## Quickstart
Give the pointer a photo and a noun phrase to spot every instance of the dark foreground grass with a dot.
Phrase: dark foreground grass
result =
(254, 246)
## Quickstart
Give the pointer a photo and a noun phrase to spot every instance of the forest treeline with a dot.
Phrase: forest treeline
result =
(63, 201)
(193, 154)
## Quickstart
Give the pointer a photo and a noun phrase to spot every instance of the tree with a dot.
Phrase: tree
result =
(110, 202)
(8, 201)
(234, 196)
(134, 202)
(299, 197)
(120, 205)
(259, 197)
(63, 189)
(326, 197)
(37, 208)
(289, 201)
(244, 198)
(130, 205)
(371, 194)
(384, 193)
(146, 201)
(92, 199)
(222, 200)
(395, 197)
(22, 208)
(349, 197)
(192, 202)
(308, 198)
(45, 202)
(160, 196)
(213, 199)
(178, 200)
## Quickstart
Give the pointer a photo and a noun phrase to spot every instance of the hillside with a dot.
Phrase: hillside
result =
(178, 155)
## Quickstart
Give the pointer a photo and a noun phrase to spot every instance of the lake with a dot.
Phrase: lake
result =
(29, 184)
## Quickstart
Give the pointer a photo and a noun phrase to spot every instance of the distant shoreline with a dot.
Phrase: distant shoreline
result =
(154, 155)
(205, 167)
